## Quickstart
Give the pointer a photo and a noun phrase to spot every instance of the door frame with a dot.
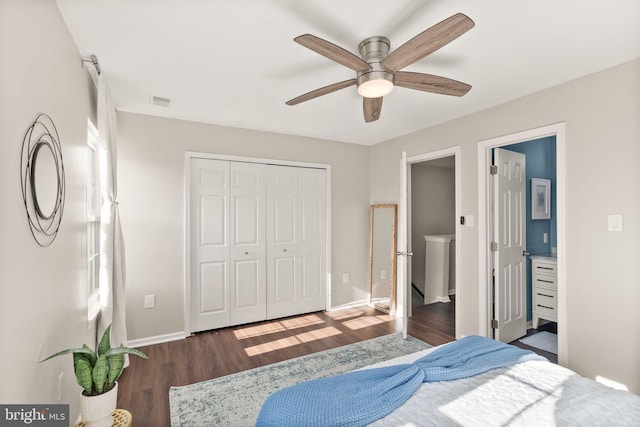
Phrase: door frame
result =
(404, 220)
(485, 224)
(187, 221)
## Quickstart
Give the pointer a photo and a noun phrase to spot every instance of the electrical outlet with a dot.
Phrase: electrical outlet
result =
(615, 222)
(150, 301)
(383, 274)
(545, 238)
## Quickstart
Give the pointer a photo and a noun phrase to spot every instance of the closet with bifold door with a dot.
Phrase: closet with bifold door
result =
(257, 242)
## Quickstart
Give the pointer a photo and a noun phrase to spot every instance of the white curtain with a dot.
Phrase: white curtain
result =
(112, 259)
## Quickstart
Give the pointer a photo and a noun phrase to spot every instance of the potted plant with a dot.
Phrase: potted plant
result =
(97, 373)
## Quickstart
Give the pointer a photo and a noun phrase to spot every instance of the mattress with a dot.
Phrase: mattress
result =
(532, 394)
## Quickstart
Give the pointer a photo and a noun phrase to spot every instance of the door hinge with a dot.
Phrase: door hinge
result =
(494, 324)
(493, 170)
(494, 246)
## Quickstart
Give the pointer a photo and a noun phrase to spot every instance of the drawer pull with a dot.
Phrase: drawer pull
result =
(544, 306)
(545, 281)
(545, 268)
(545, 295)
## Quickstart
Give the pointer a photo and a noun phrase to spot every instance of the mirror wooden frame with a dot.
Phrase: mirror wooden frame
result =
(392, 256)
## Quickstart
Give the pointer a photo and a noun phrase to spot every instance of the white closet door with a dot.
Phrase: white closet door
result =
(296, 240)
(282, 236)
(311, 245)
(209, 237)
(247, 243)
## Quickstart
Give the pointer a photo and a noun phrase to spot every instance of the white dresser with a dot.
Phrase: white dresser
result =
(544, 278)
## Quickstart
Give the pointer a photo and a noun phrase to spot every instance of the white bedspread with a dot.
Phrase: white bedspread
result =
(528, 394)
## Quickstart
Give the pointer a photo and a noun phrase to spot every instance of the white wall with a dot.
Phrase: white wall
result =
(43, 298)
(601, 112)
(151, 193)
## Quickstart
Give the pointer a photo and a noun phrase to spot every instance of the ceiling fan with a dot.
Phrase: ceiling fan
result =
(377, 72)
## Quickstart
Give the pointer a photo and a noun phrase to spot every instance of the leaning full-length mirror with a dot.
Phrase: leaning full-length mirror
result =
(382, 257)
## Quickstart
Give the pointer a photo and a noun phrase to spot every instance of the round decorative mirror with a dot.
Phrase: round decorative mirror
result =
(42, 177)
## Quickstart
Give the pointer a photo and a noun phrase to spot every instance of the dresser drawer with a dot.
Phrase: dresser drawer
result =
(542, 267)
(545, 302)
(545, 281)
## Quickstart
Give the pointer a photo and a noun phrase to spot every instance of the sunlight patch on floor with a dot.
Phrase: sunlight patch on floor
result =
(273, 327)
(305, 337)
(364, 322)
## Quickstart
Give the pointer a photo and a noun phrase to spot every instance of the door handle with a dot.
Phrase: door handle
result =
(401, 253)
(525, 253)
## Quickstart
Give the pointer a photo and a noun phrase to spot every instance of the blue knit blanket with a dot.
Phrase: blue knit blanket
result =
(362, 397)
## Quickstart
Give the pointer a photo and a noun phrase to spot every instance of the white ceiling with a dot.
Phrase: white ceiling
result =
(234, 62)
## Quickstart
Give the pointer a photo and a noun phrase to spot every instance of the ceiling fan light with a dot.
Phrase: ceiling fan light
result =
(375, 88)
(375, 84)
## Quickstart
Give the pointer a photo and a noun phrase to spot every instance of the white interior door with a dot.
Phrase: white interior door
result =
(247, 247)
(282, 238)
(296, 240)
(209, 237)
(311, 247)
(510, 267)
(403, 280)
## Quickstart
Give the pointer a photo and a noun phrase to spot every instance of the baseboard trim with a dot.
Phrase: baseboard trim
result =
(349, 305)
(158, 339)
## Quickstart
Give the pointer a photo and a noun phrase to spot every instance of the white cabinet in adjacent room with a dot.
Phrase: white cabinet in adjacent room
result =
(544, 277)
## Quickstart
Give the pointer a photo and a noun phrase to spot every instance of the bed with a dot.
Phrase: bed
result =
(530, 392)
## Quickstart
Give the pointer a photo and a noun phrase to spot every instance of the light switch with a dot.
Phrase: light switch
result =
(615, 222)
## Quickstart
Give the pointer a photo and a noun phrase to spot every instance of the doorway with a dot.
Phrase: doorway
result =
(485, 215)
(433, 203)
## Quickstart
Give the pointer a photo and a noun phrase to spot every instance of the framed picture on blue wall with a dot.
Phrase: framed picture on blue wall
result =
(540, 198)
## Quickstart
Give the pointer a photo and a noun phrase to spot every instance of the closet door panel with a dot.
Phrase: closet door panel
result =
(212, 298)
(247, 246)
(209, 266)
(311, 247)
(282, 271)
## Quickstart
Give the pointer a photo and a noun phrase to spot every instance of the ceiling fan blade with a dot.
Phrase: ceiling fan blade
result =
(333, 52)
(428, 41)
(372, 108)
(322, 91)
(430, 83)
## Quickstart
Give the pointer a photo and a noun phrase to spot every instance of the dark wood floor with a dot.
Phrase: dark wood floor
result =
(144, 387)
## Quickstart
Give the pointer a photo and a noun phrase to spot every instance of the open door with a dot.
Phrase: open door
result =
(403, 285)
(509, 246)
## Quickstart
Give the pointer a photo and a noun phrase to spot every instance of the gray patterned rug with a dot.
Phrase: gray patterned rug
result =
(236, 399)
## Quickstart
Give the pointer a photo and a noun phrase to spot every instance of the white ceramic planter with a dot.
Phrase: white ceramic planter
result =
(96, 410)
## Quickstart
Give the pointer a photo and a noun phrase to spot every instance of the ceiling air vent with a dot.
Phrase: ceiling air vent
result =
(160, 101)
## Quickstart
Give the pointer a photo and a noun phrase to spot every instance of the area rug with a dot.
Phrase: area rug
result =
(543, 340)
(236, 399)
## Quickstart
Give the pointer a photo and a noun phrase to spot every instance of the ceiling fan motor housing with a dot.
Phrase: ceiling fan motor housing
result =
(378, 81)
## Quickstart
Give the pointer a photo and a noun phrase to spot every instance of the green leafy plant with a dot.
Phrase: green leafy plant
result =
(97, 372)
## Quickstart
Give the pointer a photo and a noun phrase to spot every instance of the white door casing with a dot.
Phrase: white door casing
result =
(510, 235)
(485, 224)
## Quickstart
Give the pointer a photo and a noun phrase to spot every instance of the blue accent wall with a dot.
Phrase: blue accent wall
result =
(541, 163)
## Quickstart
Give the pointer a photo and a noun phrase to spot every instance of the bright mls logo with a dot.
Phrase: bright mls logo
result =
(34, 415)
